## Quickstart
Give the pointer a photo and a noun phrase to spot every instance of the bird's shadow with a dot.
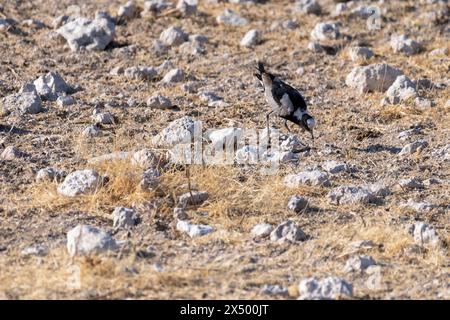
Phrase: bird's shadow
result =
(374, 148)
(12, 129)
(116, 45)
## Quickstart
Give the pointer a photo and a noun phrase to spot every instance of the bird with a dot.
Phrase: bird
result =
(285, 101)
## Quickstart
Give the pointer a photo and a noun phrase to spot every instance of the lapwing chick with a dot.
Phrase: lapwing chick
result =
(285, 101)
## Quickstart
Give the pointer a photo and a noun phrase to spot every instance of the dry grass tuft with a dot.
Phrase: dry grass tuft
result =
(121, 189)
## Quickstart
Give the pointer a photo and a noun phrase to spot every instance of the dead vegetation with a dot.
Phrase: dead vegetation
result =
(228, 263)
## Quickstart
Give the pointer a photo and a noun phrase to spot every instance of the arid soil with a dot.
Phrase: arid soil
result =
(160, 262)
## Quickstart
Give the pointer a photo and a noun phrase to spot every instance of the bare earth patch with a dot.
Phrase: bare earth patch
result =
(155, 259)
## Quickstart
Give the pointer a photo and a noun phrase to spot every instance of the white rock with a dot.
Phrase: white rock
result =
(159, 102)
(419, 206)
(358, 263)
(315, 47)
(194, 230)
(411, 183)
(198, 38)
(404, 135)
(180, 213)
(192, 49)
(327, 288)
(49, 174)
(85, 240)
(212, 99)
(288, 231)
(127, 11)
(174, 75)
(103, 117)
(117, 71)
(311, 178)
(22, 103)
(401, 90)
(145, 158)
(80, 182)
(64, 101)
(91, 131)
(156, 5)
(424, 234)
(379, 189)
(178, 131)
(141, 73)
(274, 290)
(150, 179)
(33, 23)
(39, 250)
(83, 33)
(247, 154)
(374, 77)
(364, 11)
(51, 86)
(297, 203)
(344, 195)
(28, 87)
(193, 198)
(335, 167)
(231, 18)
(423, 103)
(360, 53)
(61, 20)
(262, 230)
(187, 7)
(325, 31)
(225, 137)
(291, 143)
(375, 281)
(124, 218)
(341, 8)
(251, 38)
(405, 45)
(308, 6)
(280, 156)
(413, 147)
(173, 36)
(164, 67)
(11, 153)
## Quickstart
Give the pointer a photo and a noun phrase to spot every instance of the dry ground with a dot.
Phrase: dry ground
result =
(227, 264)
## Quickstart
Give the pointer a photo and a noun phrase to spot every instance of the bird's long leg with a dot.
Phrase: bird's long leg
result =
(267, 125)
(286, 125)
(312, 136)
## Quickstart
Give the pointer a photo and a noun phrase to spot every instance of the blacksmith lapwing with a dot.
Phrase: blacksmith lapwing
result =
(285, 101)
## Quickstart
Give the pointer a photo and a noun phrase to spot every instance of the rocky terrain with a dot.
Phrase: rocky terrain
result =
(95, 97)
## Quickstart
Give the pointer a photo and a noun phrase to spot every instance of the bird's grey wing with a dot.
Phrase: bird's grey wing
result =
(281, 95)
(295, 97)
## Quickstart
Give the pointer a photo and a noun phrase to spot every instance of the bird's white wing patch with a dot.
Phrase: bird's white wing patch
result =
(298, 114)
(287, 103)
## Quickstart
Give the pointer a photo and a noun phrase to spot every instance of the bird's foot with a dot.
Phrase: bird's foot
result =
(286, 125)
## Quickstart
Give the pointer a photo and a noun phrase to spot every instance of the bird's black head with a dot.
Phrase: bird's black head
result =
(308, 122)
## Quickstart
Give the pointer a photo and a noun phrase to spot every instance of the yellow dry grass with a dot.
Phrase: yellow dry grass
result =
(222, 264)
